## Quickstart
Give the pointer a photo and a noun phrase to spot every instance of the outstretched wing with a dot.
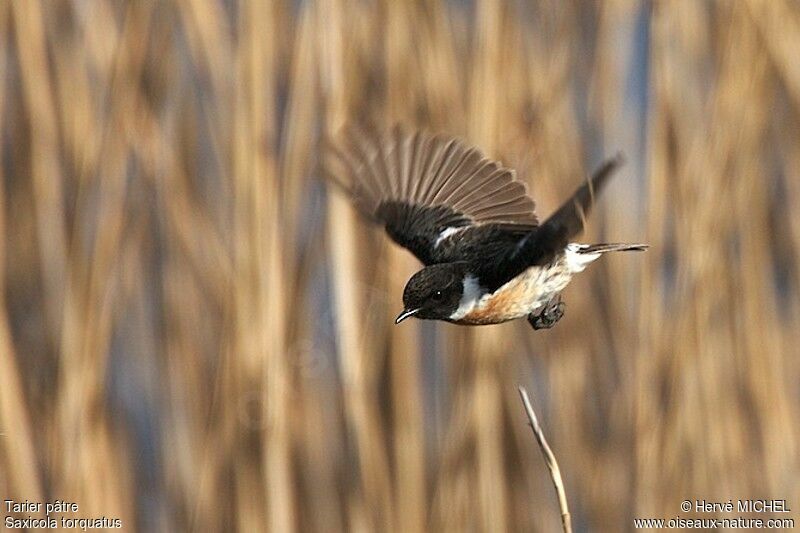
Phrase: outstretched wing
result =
(426, 188)
(539, 247)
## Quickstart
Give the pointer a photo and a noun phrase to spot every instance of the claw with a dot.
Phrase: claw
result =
(549, 315)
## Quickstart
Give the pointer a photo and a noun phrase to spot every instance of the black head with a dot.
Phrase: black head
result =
(434, 292)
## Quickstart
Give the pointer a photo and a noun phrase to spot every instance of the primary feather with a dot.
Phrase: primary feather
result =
(420, 185)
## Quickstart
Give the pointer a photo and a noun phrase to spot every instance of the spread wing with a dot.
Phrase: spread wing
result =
(540, 246)
(425, 189)
(550, 238)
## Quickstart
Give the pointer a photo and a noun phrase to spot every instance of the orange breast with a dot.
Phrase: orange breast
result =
(497, 308)
(513, 300)
(519, 297)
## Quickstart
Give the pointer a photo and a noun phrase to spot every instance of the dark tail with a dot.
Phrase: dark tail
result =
(612, 247)
(554, 234)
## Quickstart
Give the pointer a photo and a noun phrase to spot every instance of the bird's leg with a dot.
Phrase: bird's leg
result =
(551, 313)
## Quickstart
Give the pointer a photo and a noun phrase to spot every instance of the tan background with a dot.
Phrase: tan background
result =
(196, 336)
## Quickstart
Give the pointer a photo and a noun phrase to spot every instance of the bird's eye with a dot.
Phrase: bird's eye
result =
(437, 295)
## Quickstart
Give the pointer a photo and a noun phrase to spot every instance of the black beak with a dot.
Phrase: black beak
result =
(405, 314)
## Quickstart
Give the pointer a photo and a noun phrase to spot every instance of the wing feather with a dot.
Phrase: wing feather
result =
(417, 185)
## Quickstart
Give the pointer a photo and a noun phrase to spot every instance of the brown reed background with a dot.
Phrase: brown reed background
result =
(197, 335)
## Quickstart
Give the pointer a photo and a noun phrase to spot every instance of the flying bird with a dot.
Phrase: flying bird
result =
(470, 222)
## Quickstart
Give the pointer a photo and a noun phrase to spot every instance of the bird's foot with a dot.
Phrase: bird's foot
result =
(549, 315)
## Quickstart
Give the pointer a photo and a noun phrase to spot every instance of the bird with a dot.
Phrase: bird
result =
(471, 223)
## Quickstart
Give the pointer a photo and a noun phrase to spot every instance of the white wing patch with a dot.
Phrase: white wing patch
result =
(447, 233)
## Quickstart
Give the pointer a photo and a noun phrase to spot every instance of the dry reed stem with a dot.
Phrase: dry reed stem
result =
(404, 355)
(550, 459)
(374, 493)
(17, 454)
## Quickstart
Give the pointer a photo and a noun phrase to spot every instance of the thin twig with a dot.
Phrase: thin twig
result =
(550, 459)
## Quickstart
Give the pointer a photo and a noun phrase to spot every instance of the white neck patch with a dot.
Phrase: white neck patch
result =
(469, 298)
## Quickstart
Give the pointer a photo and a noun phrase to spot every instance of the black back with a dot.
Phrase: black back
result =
(445, 202)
